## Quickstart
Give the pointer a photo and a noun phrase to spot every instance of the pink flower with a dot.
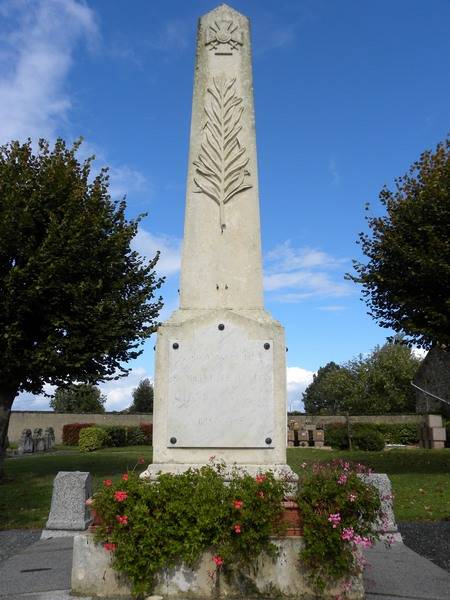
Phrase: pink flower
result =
(352, 497)
(120, 496)
(123, 520)
(89, 502)
(141, 460)
(218, 560)
(125, 477)
(365, 542)
(238, 504)
(107, 482)
(335, 519)
(342, 479)
(260, 478)
(237, 528)
(261, 494)
(347, 534)
(109, 546)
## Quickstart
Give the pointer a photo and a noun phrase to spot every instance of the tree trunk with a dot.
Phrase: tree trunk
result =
(6, 401)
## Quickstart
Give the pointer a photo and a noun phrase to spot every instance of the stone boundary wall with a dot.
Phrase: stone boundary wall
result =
(326, 419)
(31, 419)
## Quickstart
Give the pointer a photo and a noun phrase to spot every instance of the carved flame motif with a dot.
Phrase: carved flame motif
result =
(223, 33)
(221, 163)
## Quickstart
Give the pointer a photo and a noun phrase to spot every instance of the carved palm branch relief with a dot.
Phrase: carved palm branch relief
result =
(221, 171)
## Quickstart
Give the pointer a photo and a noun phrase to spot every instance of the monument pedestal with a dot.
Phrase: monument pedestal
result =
(220, 392)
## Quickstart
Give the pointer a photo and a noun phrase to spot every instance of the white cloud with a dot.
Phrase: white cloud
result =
(301, 273)
(119, 392)
(419, 352)
(334, 172)
(148, 244)
(332, 308)
(124, 180)
(298, 380)
(35, 60)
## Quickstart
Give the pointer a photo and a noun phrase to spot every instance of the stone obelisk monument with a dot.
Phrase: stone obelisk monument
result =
(220, 373)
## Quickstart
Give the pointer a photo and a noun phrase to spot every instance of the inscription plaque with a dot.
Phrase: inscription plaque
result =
(220, 392)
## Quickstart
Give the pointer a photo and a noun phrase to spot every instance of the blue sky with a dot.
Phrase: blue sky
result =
(347, 95)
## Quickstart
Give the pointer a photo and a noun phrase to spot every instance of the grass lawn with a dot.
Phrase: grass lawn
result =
(420, 478)
(26, 495)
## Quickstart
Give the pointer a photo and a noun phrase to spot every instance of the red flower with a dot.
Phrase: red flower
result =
(109, 546)
(261, 494)
(120, 496)
(141, 460)
(107, 482)
(260, 478)
(218, 560)
(238, 504)
(125, 477)
(237, 528)
(123, 520)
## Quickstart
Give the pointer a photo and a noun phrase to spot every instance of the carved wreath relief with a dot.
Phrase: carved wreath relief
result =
(223, 37)
(221, 171)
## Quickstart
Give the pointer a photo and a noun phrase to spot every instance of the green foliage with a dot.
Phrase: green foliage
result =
(336, 436)
(79, 398)
(376, 384)
(370, 436)
(321, 396)
(135, 436)
(406, 280)
(142, 398)
(117, 435)
(71, 432)
(368, 439)
(76, 302)
(92, 438)
(152, 527)
(404, 433)
(338, 511)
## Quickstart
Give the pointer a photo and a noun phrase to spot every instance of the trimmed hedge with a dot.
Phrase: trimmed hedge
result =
(405, 433)
(92, 438)
(71, 433)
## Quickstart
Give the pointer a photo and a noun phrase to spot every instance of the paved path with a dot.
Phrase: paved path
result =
(42, 572)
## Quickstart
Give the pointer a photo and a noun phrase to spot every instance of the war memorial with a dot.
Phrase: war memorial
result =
(220, 367)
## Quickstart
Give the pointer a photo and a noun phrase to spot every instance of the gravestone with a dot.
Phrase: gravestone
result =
(220, 372)
(68, 512)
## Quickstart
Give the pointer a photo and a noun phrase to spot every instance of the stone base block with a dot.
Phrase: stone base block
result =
(437, 445)
(92, 574)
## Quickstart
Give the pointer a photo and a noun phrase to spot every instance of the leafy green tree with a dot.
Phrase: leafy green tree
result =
(329, 391)
(379, 383)
(76, 302)
(384, 380)
(78, 398)
(142, 398)
(406, 281)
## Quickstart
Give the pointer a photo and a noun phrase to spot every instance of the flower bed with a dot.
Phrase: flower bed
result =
(176, 520)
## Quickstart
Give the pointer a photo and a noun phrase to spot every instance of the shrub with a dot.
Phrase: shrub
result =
(368, 438)
(151, 527)
(117, 435)
(135, 436)
(336, 436)
(338, 510)
(147, 430)
(92, 438)
(71, 433)
(405, 433)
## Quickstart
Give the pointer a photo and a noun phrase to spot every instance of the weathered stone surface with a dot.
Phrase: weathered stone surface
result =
(388, 525)
(433, 376)
(220, 371)
(92, 574)
(68, 510)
